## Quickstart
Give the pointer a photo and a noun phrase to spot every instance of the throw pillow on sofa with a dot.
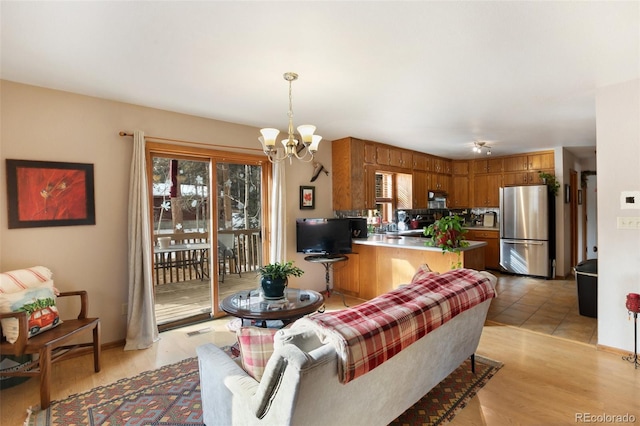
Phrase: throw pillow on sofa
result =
(256, 347)
(422, 273)
(38, 301)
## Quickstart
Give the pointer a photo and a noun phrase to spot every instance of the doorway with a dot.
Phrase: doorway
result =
(207, 216)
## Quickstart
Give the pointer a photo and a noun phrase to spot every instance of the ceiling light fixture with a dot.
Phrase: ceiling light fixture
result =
(479, 146)
(309, 140)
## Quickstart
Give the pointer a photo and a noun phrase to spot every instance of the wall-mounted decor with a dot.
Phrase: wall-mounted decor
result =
(567, 193)
(47, 193)
(307, 197)
(579, 196)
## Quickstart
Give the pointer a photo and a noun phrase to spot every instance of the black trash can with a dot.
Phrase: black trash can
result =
(587, 282)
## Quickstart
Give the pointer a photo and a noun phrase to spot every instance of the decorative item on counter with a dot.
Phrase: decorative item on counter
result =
(275, 277)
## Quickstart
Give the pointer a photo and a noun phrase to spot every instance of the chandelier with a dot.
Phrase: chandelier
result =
(291, 149)
(479, 146)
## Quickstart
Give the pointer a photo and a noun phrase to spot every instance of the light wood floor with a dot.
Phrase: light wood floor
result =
(546, 380)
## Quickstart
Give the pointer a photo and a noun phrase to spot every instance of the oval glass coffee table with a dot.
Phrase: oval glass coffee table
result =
(250, 305)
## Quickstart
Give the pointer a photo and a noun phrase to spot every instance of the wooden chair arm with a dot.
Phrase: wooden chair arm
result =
(84, 301)
(23, 327)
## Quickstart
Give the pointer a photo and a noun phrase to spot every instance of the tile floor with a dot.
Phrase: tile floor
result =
(544, 306)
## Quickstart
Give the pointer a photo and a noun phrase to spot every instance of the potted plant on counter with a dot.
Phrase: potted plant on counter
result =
(448, 234)
(275, 277)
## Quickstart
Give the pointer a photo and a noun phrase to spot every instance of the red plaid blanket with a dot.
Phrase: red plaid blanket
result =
(368, 334)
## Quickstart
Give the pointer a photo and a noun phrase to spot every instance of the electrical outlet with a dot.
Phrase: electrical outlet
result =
(125, 309)
(628, 222)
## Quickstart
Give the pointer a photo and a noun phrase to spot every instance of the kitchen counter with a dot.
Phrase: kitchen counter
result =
(408, 242)
(383, 262)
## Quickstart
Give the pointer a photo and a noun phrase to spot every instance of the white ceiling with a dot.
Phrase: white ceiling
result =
(429, 76)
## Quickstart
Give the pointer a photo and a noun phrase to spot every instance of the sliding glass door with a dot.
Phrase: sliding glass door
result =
(208, 216)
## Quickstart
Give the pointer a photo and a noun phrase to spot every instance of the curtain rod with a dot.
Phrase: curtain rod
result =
(192, 143)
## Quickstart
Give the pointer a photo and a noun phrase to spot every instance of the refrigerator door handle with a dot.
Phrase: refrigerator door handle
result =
(535, 243)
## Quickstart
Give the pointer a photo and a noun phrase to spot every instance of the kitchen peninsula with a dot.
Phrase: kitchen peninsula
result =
(383, 262)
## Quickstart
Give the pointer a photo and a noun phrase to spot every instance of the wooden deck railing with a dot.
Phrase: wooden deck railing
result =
(185, 266)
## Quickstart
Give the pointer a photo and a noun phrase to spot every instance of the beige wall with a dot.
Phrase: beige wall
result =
(618, 156)
(49, 125)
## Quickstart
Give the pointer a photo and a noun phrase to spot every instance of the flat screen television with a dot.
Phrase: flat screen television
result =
(323, 236)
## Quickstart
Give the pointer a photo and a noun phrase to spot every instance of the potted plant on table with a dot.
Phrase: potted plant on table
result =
(275, 277)
(448, 234)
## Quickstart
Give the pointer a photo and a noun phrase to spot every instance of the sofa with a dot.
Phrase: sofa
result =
(307, 380)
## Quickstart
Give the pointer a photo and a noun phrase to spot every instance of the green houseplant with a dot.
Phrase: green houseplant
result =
(550, 180)
(448, 234)
(275, 277)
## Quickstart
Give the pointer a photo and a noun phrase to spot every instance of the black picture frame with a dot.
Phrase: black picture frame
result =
(567, 193)
(49, 193)
(580, 196)
(307, 197)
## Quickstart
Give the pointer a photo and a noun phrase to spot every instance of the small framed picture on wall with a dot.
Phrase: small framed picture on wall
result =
(307, 197)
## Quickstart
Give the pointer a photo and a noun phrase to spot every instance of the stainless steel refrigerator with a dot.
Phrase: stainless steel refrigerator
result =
(526, 237)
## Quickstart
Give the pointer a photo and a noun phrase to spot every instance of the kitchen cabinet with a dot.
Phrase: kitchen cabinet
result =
(400, 158)
(370, 186)
(540, 161)
(460, 167)
(384, 267)
(524, 178)
(459, 194)
(370, 153)
(441, 165)
(440, 182)
(492, 249)
(421, 162)
(383, 157)
(486, 190)
(421, 188)
(530, 162)
(348, 180)
(492, 165)
(346, 275)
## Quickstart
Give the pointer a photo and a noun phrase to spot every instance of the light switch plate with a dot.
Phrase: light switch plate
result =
(628, 222)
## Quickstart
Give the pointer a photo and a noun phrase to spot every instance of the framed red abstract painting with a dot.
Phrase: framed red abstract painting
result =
(47, 193)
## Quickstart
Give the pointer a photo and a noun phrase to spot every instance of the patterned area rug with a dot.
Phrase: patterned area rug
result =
(171, 396)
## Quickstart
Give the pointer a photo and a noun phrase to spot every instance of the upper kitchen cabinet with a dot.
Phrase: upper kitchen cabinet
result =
(459, 193)
(421, 186)
(523, 169)
(486, 190)
(421, 162)
(460, 167)
(383, 155)
(370, 152)
(541, 161)
(491, 165)
(400, 158)
(348, 180)
(441, 165)
(528, 162)
(440, 182)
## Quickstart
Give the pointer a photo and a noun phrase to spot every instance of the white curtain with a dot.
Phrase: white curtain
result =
(278, 247)
(142, 330)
